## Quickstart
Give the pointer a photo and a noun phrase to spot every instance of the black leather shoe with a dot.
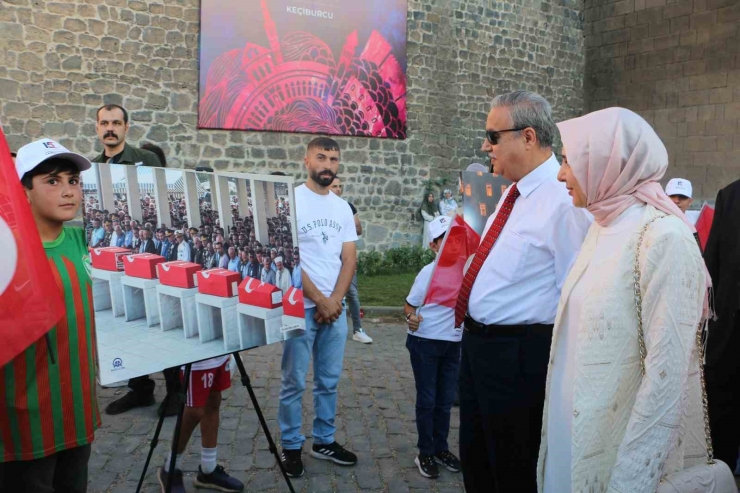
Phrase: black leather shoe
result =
(128, 402)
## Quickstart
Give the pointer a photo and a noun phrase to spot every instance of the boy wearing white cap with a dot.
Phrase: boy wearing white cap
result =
(680, 192)
(50, 407)
(434, 346)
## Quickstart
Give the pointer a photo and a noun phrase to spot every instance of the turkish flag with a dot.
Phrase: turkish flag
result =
(30, 301)
(459, 244)
(704, 224)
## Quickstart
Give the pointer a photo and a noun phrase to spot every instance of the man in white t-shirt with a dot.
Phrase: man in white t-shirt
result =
(434, 346)
(326, 234)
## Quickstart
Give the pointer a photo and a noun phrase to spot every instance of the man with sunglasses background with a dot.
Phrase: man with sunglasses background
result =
(509, 298)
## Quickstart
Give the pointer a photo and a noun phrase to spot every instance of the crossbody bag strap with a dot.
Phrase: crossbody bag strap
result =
(643, 349)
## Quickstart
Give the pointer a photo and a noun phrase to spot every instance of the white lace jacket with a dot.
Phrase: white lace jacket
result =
(629, 430)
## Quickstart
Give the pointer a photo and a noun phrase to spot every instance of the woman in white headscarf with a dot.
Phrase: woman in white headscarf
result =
(608, 425)
(428, 210)
(448, 205)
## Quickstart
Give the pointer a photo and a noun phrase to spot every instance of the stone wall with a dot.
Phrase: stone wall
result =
(677, 63)
(59, 61)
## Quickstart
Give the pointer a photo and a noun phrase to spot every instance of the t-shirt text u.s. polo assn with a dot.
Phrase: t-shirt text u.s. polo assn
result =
(325, 223)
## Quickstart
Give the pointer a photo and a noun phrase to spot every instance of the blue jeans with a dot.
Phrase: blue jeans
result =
(436, 365)
(353, 300)
(326, 343)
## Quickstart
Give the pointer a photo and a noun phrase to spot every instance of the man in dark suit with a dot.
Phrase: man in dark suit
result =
(147, 244)
(166, 243)
(722, 256)
(172, 254)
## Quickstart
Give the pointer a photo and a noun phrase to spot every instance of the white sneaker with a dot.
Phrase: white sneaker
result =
(361, 336)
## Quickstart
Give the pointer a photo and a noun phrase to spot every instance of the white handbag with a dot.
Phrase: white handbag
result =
(714, 476)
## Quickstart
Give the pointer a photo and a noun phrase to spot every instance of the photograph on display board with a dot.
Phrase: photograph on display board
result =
(481, 193)
(335, 67)
(188, 265)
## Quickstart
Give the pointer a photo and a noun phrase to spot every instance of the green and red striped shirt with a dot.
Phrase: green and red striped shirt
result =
(44, 407)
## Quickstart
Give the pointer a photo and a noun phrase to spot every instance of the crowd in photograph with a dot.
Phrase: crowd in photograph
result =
(208, 245)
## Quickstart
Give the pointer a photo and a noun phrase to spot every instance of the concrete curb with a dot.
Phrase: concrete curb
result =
(382, 311)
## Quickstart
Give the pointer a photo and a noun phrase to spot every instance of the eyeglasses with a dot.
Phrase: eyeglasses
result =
(494, 135)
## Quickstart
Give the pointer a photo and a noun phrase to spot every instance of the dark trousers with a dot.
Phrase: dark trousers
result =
(723, 390)
(502, 394)
(63, 472)
(144, 386)
(436, 365)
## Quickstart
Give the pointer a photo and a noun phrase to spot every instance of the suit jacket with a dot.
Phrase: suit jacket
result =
(164, 248)
(198, 255)
(722, 256)
(149, 247)
(172, 254)
(213, 261)
(254, 270)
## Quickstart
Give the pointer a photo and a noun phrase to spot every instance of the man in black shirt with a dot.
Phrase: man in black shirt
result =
(353, 295)
(112, 127)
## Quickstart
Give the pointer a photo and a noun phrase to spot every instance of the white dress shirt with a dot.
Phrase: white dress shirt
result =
(520, 281)
(183, 251)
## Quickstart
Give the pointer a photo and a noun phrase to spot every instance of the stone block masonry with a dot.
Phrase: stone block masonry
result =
(677, 63)
(59, 61)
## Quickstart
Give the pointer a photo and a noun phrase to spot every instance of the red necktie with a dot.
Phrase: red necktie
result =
(481, 254)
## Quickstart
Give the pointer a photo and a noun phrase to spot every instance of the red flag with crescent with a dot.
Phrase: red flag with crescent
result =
(458, 246)
(30, 302)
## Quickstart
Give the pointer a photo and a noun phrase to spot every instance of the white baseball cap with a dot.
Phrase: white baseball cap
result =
(439, 226)
(679, 186)
(31, 155)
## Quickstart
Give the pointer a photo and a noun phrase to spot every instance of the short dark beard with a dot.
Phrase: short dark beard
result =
(324, 182)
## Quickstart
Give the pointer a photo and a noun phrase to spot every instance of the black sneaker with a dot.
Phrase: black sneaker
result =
(427, 466)
(448, 460)
(292, 463)
(129, 401)
(218, 480)
(335, 453)
(173, 406)
(177, 484)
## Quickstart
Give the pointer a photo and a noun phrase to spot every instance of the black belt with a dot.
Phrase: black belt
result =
(484, 330)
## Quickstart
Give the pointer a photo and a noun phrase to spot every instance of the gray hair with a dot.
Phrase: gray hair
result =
(529, 109)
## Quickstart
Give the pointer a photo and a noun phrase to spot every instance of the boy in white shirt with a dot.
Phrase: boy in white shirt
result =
(434, 346)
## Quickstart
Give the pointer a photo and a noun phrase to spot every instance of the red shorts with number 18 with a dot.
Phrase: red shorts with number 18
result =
(203, 382)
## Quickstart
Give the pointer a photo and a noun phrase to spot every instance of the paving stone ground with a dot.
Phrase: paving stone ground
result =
(375, 419)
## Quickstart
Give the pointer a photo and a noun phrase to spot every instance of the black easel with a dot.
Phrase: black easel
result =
(182, 394)
(178, 425)
(248, 384)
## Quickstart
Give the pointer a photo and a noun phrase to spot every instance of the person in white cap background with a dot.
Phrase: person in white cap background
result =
(52, 377)
(448, 205)
(681, 193)
(434, 347)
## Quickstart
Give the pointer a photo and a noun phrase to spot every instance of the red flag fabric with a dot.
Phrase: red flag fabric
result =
(704, 224)
(459, 244)
(30, 301)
